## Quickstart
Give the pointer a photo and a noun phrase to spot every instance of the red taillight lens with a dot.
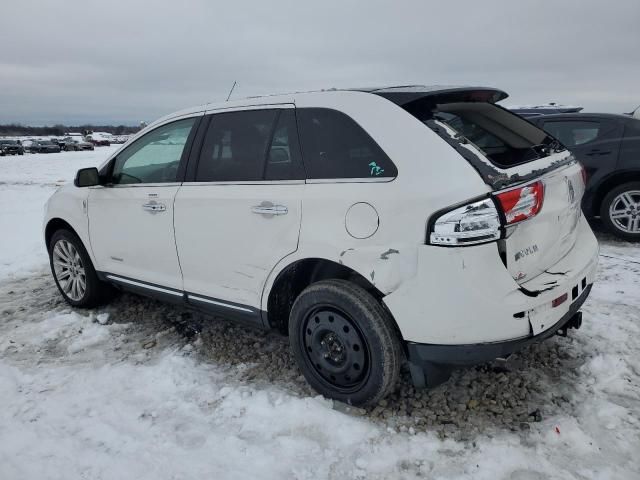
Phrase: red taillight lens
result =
(521, 203)
(560, 300)
(583, 172)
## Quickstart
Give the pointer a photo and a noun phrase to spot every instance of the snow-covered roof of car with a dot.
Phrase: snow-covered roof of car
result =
(547, 106)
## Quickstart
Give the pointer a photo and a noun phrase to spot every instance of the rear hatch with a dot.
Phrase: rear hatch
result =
(508, 153)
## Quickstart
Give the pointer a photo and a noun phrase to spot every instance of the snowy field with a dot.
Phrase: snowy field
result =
(129, 391)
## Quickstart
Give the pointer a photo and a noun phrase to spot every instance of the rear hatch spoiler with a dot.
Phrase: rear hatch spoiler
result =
(422, 102)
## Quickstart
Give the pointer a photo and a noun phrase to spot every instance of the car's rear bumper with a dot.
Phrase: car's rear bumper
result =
(427, 356)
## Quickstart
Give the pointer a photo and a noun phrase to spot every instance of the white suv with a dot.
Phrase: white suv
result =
(378, 226)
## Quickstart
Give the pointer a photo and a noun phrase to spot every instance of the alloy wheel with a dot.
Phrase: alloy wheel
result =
(69, 270)
(624, 211)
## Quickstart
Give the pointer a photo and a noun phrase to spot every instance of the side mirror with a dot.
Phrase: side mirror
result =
(87, 177)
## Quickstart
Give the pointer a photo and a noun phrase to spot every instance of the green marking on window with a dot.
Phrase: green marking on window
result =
(375, 169)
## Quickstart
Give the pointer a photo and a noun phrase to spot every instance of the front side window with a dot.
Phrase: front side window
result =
(153, 158)
(335, 146)
(573, 133)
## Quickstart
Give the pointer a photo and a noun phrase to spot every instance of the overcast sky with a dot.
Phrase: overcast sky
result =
(120, 61)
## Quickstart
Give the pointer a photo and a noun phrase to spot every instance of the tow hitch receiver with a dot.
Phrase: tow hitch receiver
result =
(574, 322)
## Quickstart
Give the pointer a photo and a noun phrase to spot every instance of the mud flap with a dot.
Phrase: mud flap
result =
(428, 375)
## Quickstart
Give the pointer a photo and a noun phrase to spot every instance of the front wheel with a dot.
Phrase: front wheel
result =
(620, 211)
(345, 342)
(73, 272)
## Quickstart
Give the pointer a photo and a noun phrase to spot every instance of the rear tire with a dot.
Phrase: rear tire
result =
(345, 342)
(73, 272)
(620, 211)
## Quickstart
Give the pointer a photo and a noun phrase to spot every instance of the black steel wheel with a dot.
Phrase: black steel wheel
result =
(345, 342)
(335, 348)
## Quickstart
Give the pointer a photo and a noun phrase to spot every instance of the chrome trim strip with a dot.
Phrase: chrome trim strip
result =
(144, 285)
(221, 304)
(248, 182)
(351, 180)
(249, 106)
(138, 185)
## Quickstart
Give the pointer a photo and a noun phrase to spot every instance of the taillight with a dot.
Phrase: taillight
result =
(477, 222)
(521, 203)
(583, 172)
(480, 221)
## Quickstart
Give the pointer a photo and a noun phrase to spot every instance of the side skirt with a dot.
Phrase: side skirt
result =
(242, 314)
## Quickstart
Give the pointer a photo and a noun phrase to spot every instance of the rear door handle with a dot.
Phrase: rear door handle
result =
(154, 207)
(268, 209)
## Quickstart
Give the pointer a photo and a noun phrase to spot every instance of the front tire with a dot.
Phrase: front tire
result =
(345, 342)
(620, 211)
(73, 272)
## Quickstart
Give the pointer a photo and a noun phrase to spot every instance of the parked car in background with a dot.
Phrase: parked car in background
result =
(608, 146)
(468, 272)
(11, 147)
(119, 139)
(98, 139)
(545, 109)
(75, 144)
(58, 141)
(43, 146)
(26, 144)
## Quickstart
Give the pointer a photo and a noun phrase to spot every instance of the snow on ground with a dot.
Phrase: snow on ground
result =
(129, 391)
(26, 182)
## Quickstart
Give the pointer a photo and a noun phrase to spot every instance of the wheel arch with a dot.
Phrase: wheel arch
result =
(298, 275)
(616, 179)
(55, 224)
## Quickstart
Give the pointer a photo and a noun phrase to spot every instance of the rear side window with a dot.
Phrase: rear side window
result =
(573, 133)
(250, 145)
(283, 159)
(335, 146)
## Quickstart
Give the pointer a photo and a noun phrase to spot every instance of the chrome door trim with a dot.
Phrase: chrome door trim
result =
(351, 180)
(248, 182)
(143, 285)
(220, 304)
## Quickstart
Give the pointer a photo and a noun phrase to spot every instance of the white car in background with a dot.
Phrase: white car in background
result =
(99, 139)
(374, 226)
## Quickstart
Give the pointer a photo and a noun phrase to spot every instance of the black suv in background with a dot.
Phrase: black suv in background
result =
(10, 147)
(608, 146)
(44, 146)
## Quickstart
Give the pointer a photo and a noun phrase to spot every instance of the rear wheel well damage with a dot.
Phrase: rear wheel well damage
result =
(53, 226)
(291, 281)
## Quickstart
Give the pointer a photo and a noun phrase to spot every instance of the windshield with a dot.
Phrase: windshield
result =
(9, 142)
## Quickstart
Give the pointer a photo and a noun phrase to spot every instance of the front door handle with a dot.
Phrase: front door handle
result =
(269, 209)
(154, 207)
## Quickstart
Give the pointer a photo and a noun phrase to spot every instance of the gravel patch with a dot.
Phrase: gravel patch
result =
(532, 385)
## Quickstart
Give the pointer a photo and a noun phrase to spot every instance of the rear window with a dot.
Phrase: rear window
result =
(335, 146)
(494, 143)
(503, 138)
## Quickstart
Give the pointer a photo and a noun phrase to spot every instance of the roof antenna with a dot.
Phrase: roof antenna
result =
(231, 91)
